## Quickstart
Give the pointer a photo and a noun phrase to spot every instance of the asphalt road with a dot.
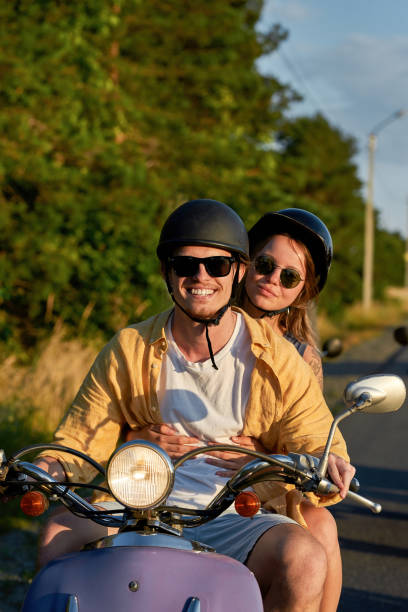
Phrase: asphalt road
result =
(374, 547)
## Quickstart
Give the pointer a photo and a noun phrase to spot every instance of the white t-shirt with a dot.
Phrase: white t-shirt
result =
(210, 404)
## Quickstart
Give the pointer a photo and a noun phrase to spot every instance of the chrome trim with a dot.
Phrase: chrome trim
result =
(193, 606)
(72, 604)
(150, 526)
(43, 477)
(158, 540)
(258, 470)
(3, 465)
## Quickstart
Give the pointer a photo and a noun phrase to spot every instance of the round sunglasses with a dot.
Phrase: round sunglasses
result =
(289, 277)
(184, 265)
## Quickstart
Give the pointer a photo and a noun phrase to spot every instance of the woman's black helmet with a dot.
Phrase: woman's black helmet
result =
(207, 223)
(301, 225)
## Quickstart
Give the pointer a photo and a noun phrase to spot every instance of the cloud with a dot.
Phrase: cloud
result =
(363, 81)
(367, 67)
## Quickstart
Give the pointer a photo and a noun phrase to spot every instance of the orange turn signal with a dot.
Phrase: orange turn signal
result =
(34, 503)
(247, 503)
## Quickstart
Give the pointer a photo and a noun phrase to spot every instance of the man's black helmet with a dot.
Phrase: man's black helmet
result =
(206, 223)
(301, 225)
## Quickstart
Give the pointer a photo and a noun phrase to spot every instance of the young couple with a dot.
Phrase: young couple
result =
(208, 372)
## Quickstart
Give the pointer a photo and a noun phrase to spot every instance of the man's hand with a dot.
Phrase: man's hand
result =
(167, 438)
(341, 472)
(231, 462)
(48, 464)
(52, 466)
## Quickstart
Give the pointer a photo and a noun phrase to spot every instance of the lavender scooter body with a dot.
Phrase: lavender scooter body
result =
(148, 579)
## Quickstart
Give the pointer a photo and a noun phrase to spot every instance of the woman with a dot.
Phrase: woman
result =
(291, 252)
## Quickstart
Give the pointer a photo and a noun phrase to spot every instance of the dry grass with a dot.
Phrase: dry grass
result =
(358, 325)
(48, 385)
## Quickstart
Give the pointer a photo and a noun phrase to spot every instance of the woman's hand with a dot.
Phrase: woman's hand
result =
(166, 437)
(341, 472)
(231, 462)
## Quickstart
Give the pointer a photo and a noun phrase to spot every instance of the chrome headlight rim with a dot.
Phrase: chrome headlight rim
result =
(167, 463)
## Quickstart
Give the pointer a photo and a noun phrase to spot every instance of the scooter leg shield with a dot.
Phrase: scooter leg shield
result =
(146, 578)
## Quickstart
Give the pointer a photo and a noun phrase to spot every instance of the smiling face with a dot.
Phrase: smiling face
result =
(202, 295)
(266, 290)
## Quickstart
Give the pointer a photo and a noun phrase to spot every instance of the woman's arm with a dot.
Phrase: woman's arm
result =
(312, 357)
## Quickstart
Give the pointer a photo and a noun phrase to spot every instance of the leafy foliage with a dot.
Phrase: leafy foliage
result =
(114, 113)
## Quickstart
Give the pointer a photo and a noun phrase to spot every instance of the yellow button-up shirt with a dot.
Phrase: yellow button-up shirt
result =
(286, 410)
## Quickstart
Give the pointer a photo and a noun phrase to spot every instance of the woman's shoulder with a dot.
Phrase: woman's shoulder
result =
(298, 344)
(312, 356)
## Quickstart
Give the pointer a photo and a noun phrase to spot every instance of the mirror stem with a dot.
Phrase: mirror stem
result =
(363, 401)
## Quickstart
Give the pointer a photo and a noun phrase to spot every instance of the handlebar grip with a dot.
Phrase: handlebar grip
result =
(354, 485)
(363, 501)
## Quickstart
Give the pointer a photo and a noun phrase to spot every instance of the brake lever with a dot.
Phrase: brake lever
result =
(310, 463)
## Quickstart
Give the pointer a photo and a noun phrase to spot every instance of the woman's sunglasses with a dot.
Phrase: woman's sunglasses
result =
(184, 265)
(289, 277)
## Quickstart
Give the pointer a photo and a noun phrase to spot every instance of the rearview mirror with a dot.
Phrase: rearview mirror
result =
(382, 392)
(373, 394)
(332, 347)
(401, 335)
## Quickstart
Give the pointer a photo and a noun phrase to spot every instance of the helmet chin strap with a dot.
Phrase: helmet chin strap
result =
(206, 322)
(215, 320)
(268, 313)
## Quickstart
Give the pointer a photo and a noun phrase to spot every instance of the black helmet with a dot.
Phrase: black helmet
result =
(301, 225)
(207, 223)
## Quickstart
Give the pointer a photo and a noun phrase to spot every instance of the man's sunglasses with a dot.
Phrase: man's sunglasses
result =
(184, 265)
(289, 277)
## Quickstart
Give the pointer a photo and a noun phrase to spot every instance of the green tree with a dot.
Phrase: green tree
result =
(111, 115)
(70, 185)
(389, 262)
(316, 167)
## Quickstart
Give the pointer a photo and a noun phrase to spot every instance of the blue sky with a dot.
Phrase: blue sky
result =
(349, 60)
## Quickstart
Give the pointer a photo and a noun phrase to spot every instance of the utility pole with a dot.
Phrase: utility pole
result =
(406, 250)
(368, 268)
(369, 228)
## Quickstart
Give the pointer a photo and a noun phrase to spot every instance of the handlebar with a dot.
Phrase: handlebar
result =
(293, 468)
(68, 498)
(363, 501)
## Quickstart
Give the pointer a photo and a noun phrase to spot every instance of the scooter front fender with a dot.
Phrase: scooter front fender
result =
(143, 579)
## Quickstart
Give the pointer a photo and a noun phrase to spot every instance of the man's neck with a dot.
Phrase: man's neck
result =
(191, 339)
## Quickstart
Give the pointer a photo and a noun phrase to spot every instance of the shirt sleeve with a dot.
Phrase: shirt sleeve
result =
(306, 418)
(93, 423)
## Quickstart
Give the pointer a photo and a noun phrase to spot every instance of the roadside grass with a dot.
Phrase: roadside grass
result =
(358, 325)
(33, 398)
(39, 393)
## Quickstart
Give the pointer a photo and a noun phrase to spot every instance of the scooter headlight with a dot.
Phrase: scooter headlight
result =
(140, 474)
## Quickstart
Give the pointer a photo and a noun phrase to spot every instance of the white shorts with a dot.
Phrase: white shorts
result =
(234, 535)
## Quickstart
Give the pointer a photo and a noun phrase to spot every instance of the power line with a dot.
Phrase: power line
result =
(298, 76)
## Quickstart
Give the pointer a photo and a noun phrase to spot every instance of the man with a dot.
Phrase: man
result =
(213, 373)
